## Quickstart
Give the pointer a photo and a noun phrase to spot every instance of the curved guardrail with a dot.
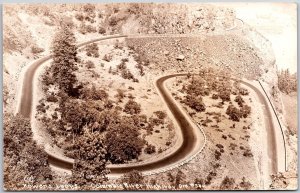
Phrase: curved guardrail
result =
(281, 129)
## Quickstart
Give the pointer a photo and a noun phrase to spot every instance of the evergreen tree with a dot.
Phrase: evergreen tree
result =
(64, 53)
(24, 162)
(90, 165)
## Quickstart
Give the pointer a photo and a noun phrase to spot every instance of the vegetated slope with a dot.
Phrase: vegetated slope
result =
(27, 28)
(222, 108)
(102, 101)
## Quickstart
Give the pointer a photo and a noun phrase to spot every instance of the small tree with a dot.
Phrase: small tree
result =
(227, 184)
(132, 107)
(90, 64)
(133, 178)
(195, 103)
(233, 113)
(180, 177)
(150, 149)
(239, 100)
(243, 91)
(199, 183)
(90, 165)
(101, 30)
(287, 82)
(245, 185)
(123, 140)
(120, 95)
(224, 94)
(160, 114)
(245, 111)
(23, 158)
(92, 50)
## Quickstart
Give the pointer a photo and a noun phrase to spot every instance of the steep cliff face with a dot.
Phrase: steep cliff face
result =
(161, 18)
(265, 50)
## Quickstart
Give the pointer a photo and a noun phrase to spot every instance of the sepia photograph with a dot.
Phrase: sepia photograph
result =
(149, 96)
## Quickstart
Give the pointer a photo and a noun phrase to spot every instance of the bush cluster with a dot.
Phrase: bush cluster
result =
(150, 149)
(195, 103)
(236, 114)
(22, 156)
(92, 50)
(132, 107)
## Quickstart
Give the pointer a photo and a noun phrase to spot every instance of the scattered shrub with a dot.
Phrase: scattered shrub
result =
(215, 96)
(160, 114)
(224, 95)
(107, 57)
(132, 107)
(150, 149)
(141, 69)
(113, 21)
(155, 121)
(123, 141)
(227, 184)
(120, 94)
(122, 66)
(90, 29)
(245, 185)
(220, 146)
(93, 94)
(133, 177)
(287, 82)
(195, 103)
(36, 50)
(232, 146)
(101, 30)
(247, 153)
(79, 16)
(239, 100)
(90, 64)
(217, 155)
(92, 50)
(82, 28)
(245, 110)
(233, 112)
(199, 183)
(51, 98)
(243, 91)
(126, 74)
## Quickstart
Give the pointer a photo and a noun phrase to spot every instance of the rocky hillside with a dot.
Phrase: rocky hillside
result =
(231, 52)
(28, 31)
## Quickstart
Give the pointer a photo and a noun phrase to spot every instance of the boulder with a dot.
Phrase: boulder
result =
(180, 57)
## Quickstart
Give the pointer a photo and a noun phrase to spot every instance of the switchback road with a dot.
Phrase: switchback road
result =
(192, 137)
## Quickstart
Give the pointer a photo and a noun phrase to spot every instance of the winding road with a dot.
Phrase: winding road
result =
(190, 132)
(192, 137)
